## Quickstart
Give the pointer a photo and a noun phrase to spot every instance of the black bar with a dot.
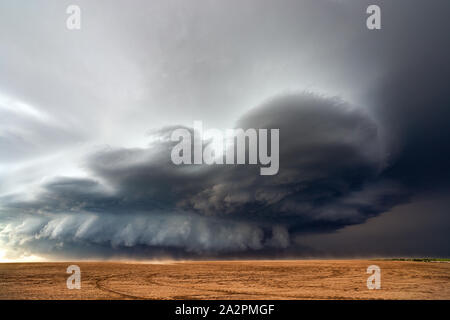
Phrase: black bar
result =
(228, 309)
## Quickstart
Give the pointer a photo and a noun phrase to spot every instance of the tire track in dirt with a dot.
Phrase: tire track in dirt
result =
(191, 291)
(99, 285)
(102, 287)
(216, 292)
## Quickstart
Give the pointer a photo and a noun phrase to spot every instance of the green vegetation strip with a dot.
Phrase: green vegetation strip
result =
(417, 259)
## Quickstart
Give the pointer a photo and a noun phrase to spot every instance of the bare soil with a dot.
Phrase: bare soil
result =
(293, 279)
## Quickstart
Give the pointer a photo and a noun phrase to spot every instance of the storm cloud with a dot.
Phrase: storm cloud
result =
(330, 176)
(86, 118)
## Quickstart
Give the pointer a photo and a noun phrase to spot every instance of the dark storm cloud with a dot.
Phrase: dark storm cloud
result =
(411, 103)
(340, 164)
(415, 229)
(411, 99)
(329, 152)
(331, 161)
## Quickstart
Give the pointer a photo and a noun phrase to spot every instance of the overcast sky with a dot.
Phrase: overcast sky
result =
(86, 116)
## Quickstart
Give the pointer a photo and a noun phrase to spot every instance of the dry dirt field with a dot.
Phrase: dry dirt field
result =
(302, 279)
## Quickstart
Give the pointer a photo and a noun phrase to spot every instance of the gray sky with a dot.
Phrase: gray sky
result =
(77, 109)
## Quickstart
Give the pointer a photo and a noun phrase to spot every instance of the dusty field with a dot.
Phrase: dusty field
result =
(310, 279)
